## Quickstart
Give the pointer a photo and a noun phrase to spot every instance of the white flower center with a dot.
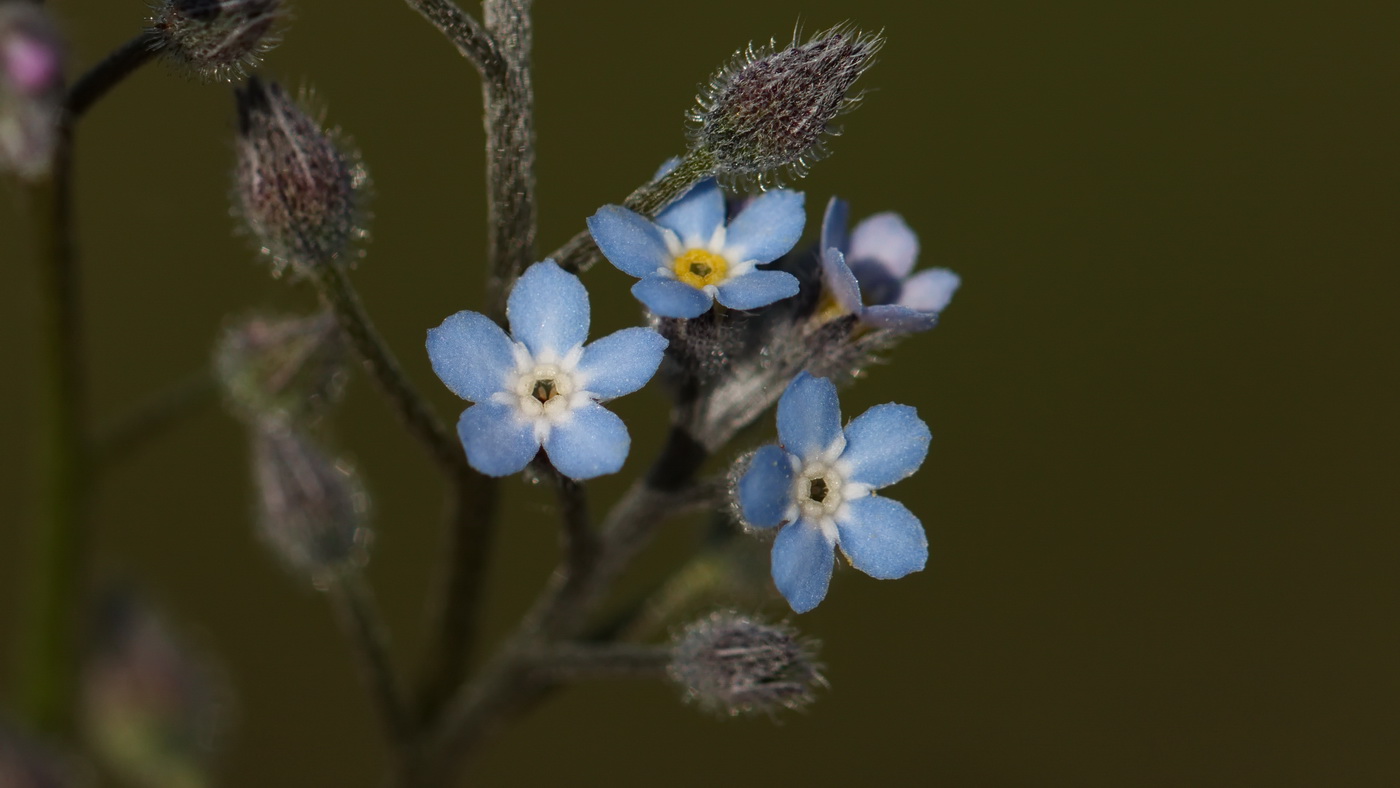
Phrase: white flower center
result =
(544, 390)
(819, 491)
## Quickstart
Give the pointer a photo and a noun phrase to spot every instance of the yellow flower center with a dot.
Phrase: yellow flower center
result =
(699, 268)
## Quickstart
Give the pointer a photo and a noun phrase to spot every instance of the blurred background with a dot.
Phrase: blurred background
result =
(1161, 498)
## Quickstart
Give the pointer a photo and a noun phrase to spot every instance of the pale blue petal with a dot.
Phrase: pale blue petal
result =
(694, 217)
(593, 442)
(802, 564)
(834, 224)
(548, 310)
(929, 291)
(765, 490)
(756, 289)
(472, 355)
(622, 362)
(839, 281)
(885, 239)
(885, 444)
(882, 538)
(767, 228)
(809, 416)
(900, 319)
(672, 297)
(629, 240)
(497, 440)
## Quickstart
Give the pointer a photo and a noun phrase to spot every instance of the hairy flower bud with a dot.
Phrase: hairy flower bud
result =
(218, 40)
(31, 89)
(298, 191)
(292, 366)
(312, 509)
(767, 112)
(151, 706)
(732, 664)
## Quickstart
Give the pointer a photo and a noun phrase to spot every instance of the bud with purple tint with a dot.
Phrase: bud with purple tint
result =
(287, 366)
(766, 113)
(31, 89)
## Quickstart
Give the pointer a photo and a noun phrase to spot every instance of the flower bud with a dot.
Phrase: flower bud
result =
(31, 89)
(312, 509)
(151, 707)
(218, 40)
(25, 763)
(298, 191)
(732, 664)
(288, 366)
(766, 112)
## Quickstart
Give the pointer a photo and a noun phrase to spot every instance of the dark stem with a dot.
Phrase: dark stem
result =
(363, 624)
(580, 253)
(48, 661)
(510, 153)
(575, 661)
(581, 546)
(152, 418)
(465, 33)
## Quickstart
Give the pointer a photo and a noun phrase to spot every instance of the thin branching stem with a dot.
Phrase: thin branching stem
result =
(110, 72)
(150, 419)
(466, 34)
(360, 618)
(510, 153)
(576, 661)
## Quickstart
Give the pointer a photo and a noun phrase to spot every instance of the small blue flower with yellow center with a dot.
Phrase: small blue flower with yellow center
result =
(688, 258)
(818, 486)
(868, 273)
(540, 387)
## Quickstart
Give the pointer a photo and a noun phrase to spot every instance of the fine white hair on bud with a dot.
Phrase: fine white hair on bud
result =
(312, 509)
(299, 191)
(217, 40)
(732, 664)
(766, 113)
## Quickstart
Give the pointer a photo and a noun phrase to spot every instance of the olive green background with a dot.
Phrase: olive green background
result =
(1161, 499)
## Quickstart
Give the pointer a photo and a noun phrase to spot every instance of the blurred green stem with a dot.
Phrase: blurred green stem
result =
(57, 565)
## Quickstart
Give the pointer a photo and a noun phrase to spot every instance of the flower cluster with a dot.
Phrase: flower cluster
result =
(538, 388)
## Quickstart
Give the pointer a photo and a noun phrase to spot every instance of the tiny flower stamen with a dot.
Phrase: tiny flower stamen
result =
(543, 390)
(701, 268)
(819, 492)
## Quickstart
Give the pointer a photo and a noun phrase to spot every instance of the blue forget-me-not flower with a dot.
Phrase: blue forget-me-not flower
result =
(540, 387)
(867, 273)
(689, 257)
(818, 485)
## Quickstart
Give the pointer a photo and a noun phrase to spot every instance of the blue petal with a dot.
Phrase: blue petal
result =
(695, 216)
(885, 239)
(497, 440)
(838, 279)
(593, 442)
(885, 444)
(834, 224)
(629, 240)
(672, 297)
(929, 291)
(472, 355)
(767, 228)
(809, 416)
(756, 289)
(765, 490)
(622, 362)
(900, 319)
(548, 310)
(802, 564)
(882, 538)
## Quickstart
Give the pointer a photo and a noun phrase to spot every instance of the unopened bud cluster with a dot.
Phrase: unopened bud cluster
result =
(298, 191)
(31, 89)
(768, 111)
(151, 706)
(217, 40)
(732, 664)
(288, 366)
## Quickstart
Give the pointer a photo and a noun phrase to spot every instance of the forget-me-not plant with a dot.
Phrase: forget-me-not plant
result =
(818, 485)
(689, 257)
(869, 273)
(540, 387)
